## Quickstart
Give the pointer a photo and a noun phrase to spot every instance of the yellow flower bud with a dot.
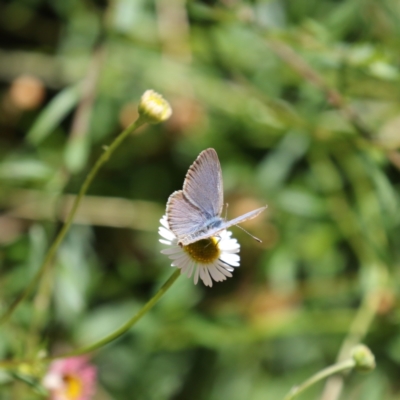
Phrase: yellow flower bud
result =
(153, 108)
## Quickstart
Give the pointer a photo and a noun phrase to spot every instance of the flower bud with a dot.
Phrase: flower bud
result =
(363, 357)
(153, 108)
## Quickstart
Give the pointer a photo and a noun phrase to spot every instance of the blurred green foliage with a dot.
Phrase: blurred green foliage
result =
(301, 101)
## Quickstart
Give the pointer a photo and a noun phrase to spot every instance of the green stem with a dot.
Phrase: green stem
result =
(358, 329)
(30, 382)
(12, 364)
(127, 325)
(52, 250)
(333, 369)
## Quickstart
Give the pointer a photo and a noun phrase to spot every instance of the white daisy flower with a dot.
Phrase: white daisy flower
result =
(209, 259)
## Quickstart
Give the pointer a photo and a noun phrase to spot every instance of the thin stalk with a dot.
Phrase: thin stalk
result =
(126, 326)
(108, 150)
(358, 329)
(333, 369)
(32, 382)
(12, 364)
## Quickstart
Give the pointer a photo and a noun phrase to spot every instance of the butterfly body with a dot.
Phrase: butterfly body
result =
(194, 213)
(204, 232)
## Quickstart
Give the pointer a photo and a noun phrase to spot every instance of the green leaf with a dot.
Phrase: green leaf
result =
(53, 114)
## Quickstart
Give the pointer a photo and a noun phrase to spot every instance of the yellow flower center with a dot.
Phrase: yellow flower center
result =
(205, 251)
(73, 387)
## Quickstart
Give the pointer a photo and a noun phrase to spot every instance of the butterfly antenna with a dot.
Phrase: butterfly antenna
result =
(254, 237)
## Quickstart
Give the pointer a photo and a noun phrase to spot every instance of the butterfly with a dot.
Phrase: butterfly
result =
(194, 213)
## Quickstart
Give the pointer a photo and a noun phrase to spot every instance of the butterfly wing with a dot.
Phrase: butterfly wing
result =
(203, 184)
(183, 217)
(193, 213)
(224, 225)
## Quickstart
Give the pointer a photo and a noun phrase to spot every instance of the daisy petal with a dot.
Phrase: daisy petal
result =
(191, 260)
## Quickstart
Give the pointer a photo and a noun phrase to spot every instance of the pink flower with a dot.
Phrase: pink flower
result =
(71, 379)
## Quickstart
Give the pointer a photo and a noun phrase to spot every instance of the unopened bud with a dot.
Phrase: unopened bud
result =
(154, 108)
(363, 357)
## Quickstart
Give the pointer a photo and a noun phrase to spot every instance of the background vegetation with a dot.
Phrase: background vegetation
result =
(301, 101)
